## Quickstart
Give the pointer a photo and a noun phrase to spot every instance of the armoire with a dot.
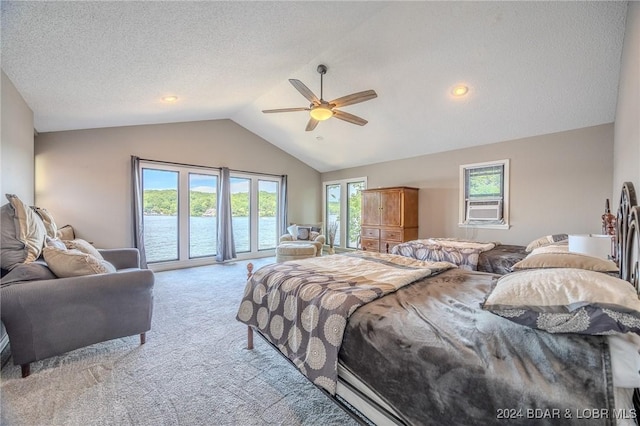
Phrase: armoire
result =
(389, 217)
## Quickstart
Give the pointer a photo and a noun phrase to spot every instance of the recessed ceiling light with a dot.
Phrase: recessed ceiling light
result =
(169, 98)
(459, 90)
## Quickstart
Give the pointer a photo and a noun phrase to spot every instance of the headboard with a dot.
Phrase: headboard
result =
(628, 245)
(628, 235)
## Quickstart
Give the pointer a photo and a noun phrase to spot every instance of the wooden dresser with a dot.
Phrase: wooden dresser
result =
(389, 215)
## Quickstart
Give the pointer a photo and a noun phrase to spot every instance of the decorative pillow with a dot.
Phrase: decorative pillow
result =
(55, 242)
(83, 246)
(49, 224)
(293, 230)
(66, 233)
(565, 260)
(23, 233)
(74, 263)
(565, 300)
(546, 240)
(304, 232)
(561, 247)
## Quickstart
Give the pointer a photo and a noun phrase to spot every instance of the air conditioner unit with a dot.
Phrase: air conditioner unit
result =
(484, 210)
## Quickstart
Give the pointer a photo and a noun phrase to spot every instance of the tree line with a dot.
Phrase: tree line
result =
(164, 202)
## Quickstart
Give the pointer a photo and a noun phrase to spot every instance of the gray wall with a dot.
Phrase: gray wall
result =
(83, 176)
(558, 184)
(16, 144)
(16, 158)
(627, 125)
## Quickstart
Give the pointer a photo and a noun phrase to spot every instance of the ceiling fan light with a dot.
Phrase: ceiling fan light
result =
(321, 113)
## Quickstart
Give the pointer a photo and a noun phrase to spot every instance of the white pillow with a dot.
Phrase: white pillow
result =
(55, 242)
(293, 230)
(566, 300)
(74, 263)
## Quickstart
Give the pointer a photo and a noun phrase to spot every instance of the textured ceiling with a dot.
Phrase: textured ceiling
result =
(532, 68)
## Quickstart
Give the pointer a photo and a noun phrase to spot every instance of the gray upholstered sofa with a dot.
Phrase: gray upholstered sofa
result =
(48, 317)
(66, 298)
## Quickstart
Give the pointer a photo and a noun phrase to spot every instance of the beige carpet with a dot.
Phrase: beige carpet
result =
(193, 370)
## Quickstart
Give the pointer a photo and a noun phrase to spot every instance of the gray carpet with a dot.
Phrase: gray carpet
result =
(193, 370)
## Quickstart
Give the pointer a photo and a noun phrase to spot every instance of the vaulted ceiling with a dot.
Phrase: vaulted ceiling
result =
(531, 68)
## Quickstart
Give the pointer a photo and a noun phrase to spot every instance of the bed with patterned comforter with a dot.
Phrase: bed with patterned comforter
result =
(466, 254)
(414, 333)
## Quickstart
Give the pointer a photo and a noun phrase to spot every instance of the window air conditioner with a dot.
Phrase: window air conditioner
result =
(484, 210)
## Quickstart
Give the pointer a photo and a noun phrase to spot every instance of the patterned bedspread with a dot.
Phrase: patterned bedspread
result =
(302, 306)
(463, 253)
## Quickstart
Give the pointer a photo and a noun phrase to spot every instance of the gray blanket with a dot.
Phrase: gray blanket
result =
(500, 259)
(437, 358)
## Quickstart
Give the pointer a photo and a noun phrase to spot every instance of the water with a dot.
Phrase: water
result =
(161, 236)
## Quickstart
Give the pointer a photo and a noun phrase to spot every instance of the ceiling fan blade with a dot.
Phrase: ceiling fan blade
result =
(311, 124)
(285, 110)
(349, 117)
(354, 98)
(304, 90)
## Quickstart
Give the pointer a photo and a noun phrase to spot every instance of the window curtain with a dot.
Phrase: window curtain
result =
(138, 210)
(226, 246)
(284, 223)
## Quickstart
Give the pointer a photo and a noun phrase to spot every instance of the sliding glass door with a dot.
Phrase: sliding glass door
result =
(181, 219)
(160, 214)
(203, 215)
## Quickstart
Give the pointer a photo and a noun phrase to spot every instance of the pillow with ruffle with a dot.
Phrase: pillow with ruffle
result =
(546, 240)
(47, 219)
(565, 260)
(23, 233)
(74, 263)
(83, 246)
(566, 300)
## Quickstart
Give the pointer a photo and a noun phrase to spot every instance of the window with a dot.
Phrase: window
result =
(484, 195)
(342, 205)
(181, 219)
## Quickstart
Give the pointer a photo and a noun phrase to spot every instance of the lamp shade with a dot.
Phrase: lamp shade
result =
(595, 245)
(321, 113)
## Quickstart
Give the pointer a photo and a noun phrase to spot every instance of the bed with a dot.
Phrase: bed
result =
(395, 340)
(472, 255)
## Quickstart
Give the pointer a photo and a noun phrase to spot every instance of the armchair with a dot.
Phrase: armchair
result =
(315, 238)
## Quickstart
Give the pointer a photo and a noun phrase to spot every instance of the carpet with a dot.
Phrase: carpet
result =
(193, 370)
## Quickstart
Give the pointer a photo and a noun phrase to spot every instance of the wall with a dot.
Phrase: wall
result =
(16, 144)
(83, 176)
(16, 159)
(626, 162)
(558, 184)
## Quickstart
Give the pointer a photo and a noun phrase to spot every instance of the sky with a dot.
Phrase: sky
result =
(162, 179)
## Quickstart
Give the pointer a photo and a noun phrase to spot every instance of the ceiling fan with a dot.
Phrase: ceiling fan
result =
(321, 110)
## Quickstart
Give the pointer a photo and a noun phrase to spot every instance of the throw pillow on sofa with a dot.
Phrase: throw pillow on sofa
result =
(49, 224)
(23, 233)
(74, 263)
(83, 246)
